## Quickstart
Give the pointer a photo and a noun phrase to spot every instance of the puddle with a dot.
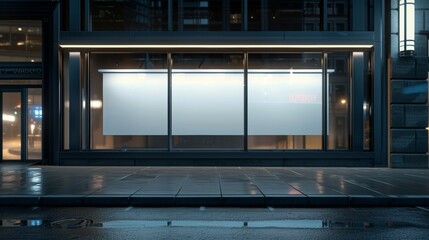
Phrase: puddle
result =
(287, 224)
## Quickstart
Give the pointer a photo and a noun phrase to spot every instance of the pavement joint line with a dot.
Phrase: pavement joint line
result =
(375, 180)
(128, 208)
(423, 208)
(418, 176)
(359, 185)
(296, 172)
(122, 178)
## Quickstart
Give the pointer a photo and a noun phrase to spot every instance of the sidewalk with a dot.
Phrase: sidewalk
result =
(24, 185)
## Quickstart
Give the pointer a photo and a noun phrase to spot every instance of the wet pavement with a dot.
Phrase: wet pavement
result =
(26, 185)
(213, 223)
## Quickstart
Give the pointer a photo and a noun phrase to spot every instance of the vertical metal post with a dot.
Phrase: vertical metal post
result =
(74, 15)
(325, 101)
(1, 126)
(180, 15)
(264, 15)
(75, 100)
(87, 16)
(226, 10)
(245, 18)
(380, 88)
(170, 75)
(245, 89)
(170, 15)
(324, 15)
(358, 80)
(85, 101)
(51, 94)
(359, 15)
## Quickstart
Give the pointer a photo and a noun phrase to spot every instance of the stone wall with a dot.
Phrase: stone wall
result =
(409, 93)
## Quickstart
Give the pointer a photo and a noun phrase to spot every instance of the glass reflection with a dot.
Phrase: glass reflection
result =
(339, 101)
(208, 101)
(11, 125)
(136, 61)
(285, 101)
(218, 15)
(34, 124)
(20, 41)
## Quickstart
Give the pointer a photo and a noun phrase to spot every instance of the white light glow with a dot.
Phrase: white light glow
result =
(285, 104)
(406, 27)
(208, 102)
(96, 104)
(134, 103)
(32, 127)
(8, 118)
(211, 102)
(214, 46)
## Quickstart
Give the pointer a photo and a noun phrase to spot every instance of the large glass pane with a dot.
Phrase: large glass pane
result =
(34, 124)
(338, 100)
(208, 15)
(127, 15)
(208, 101)
(284, 15)
(20, 41)
(367, 105)
(11, 126)
(285, 101)
(129, 101)
(339, 15)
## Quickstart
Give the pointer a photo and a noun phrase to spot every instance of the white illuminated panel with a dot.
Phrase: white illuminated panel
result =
(207, 102)
(285, 102)
(134, 102)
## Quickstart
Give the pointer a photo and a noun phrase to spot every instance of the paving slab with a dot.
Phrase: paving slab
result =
(26, 185)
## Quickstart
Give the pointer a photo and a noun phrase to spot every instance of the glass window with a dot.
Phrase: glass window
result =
(338, 100)
(128, 101)
(34, 124)
(284, 15)
(11, 126)
(127, 15)
(208, 15)
(208, 101)
(339, 15)
(367, 105)
(285, 101)
(20, 41)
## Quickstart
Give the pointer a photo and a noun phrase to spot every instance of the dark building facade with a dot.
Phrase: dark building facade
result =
(213, 82)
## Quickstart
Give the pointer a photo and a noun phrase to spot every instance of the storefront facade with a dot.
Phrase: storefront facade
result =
(237, 82)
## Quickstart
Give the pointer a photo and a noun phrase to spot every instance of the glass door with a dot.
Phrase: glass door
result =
(12, 126)
(22, 124)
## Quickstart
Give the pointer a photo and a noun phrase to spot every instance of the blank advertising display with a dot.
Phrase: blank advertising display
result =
(135, 102)
(208, 102)
(285, 102)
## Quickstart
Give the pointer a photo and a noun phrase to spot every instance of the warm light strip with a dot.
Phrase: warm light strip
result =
(270, 71)
(214, 46)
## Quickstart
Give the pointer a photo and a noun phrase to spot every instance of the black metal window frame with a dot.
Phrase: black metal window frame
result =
(81, 139)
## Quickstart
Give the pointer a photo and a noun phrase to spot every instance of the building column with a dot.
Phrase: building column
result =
(409, 94)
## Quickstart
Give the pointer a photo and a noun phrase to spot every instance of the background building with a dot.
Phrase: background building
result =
(213, 82)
